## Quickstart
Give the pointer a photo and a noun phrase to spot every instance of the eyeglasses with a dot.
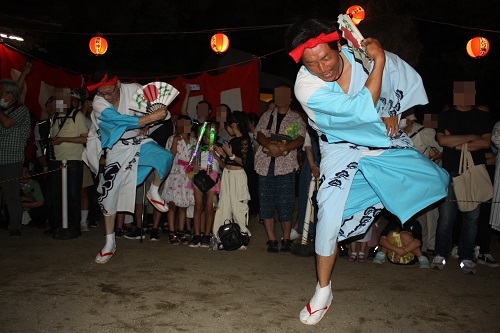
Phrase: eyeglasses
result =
(104, 94)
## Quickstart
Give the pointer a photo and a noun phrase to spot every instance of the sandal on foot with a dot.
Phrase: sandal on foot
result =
(314, 311)
(103, 258)
(353, 257)
(361, 257)
(173, 239)
(157, 202)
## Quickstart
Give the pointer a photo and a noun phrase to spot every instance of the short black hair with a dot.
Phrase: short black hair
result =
(99, 75)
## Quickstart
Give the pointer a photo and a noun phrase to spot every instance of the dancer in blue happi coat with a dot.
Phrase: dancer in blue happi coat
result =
(367, 162)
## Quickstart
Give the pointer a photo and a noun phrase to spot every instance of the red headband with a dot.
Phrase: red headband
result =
(297, 52)
(104, 82)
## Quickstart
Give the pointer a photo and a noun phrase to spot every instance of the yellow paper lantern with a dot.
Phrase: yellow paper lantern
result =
(357, 14)
(219, 43)
(98, 45)
(478, 47)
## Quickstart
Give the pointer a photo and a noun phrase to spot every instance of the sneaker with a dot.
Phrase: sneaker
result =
(438, 262)
(488, 260)
(154, 235)
(173, 239)
(468, 267)
(272, 246)
(379, 258)
(93, 224)
(454, 252)
(118, 233)
(424, 262)
(214, 244)
(294, 234)
(184, 240)
(136, 234)
(205, 241)
(195, 241)
(286, 245)
(84, 226)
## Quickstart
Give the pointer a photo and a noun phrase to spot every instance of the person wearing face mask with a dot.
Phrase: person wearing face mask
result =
(68, 133)
(14, 133)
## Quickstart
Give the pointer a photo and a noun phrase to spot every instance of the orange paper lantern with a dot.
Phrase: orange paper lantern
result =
(478, 47)
(357, 14)
(98, 45)
(219, 43)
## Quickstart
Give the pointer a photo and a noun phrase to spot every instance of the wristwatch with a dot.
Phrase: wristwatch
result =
(232, 157)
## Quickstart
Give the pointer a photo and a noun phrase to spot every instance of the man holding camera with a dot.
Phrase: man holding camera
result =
(68, 134)
(14, 133)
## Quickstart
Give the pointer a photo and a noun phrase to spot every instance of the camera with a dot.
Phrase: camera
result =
(47, 149)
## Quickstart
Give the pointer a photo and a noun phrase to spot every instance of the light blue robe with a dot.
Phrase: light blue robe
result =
(357, 183)
(130, 156)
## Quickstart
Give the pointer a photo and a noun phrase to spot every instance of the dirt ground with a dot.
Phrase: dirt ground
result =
(51, 285)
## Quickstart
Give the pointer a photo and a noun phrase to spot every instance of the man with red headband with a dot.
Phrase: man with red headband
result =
(355, 111)
(130, 154)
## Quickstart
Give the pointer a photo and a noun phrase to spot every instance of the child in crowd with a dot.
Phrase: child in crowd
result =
(207, 160)
(175, 189)
(401, 243)
(363, 246)
(32, 200)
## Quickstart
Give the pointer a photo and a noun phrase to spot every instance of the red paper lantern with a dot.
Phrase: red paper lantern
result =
(219, 43)
(357, 14)
(478, 47)
(98, 45)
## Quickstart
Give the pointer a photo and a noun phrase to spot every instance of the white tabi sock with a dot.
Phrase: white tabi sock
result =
(110, 245)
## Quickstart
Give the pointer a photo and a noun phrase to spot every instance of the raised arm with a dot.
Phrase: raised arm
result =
(374, 81)
(185, 101)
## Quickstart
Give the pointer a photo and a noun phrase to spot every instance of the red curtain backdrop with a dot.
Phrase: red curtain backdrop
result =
(238, 83)
(39, 83)
(238, 86)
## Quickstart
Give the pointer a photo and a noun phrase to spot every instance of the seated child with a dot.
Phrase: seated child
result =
(32, 200)
(401, 244)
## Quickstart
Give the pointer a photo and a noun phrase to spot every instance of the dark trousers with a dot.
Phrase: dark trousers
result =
(10, 173)
(54, 191)
(304, 182)
(38, 216)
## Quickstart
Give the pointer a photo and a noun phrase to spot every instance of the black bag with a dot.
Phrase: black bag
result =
(230, 236)
(203, 181)
(280, 138)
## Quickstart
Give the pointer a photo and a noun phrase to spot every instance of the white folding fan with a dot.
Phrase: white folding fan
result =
(153, 96)
(354, 38)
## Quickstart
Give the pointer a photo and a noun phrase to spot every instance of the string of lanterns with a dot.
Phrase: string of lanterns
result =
(477, 47)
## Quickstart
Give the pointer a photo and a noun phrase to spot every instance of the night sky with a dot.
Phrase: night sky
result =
(171, 38)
